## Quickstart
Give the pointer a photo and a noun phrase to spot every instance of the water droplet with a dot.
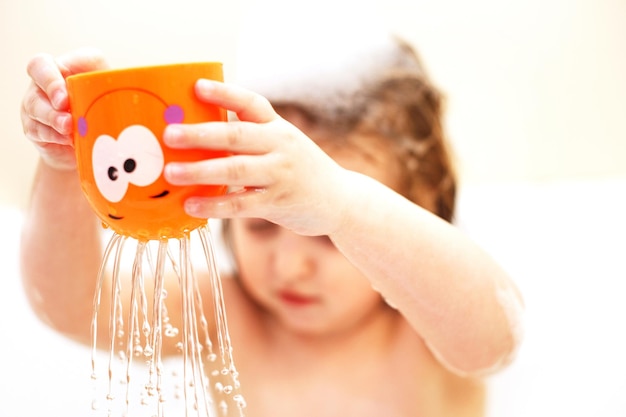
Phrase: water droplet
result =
(150, 389)
(148, 351)
(223, 406)
(146, 339)
(170, 331)
(241, 402)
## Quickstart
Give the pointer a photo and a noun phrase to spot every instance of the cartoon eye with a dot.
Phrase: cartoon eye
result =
(135, 158)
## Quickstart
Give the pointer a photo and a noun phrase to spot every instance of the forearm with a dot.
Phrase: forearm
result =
(459, 300)
(60, 252)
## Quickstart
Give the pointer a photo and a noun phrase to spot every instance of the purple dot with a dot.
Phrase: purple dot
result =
(82, 126)
(174, 114)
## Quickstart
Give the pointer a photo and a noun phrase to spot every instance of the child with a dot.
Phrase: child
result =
(354, 295)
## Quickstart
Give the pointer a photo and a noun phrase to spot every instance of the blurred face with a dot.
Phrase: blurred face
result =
(304, 283)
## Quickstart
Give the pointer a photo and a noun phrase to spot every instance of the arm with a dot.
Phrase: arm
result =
(60, 252)
(60, 242)
(454, 295)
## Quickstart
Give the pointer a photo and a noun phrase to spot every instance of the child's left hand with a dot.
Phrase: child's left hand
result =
(276, 172)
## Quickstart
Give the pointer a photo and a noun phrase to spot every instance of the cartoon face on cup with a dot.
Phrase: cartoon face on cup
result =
(119, 120)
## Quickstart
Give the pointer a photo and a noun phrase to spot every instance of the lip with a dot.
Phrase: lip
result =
(296, 299)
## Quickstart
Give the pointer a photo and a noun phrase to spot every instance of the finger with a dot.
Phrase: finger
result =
(49, 73)
(249, 106)
(37, 108)
(237, 137)
(40, 133)
(47, 76)
(243, 203)
(234, 171)
(57, 156)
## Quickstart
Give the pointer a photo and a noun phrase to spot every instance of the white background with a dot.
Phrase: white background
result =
(536, 105)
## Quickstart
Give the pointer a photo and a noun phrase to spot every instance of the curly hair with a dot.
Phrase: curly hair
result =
(406, 109)
(397, 102)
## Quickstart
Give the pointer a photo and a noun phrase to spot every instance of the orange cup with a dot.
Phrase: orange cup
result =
(119, 117)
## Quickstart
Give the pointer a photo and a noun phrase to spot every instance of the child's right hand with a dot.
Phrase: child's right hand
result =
(45, 115)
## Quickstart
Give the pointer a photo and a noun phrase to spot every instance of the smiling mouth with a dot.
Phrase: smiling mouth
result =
(161, 195)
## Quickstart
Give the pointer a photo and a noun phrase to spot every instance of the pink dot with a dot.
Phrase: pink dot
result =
(174, 114)
(82, 126)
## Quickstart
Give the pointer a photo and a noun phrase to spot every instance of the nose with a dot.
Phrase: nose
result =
(294, 258)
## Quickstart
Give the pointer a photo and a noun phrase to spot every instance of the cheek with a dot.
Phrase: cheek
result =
(357, 302)
(349, 284)
(362, 294)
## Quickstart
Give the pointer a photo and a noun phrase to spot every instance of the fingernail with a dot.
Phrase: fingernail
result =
(64, 123)
(172, 171)
(205, 84)
(59, 99)
(194, 208)
(172, 135)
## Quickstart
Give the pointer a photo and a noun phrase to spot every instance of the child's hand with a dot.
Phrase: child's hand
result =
(45, 113)
(276, 173)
